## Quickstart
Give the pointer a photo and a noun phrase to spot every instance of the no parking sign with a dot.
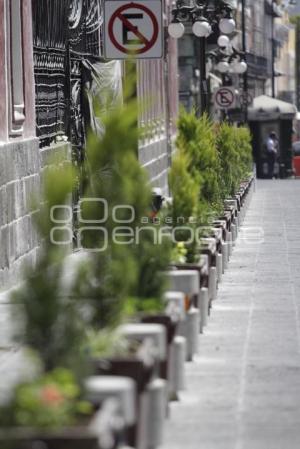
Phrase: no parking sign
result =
(133, 29)
(225, 98)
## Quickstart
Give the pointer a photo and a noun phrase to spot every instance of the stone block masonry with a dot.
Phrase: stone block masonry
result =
(19, 180)
(21, 166)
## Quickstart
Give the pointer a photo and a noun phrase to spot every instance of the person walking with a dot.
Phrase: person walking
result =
(272, 149)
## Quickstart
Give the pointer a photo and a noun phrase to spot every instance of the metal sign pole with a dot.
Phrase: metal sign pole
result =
(244, 44)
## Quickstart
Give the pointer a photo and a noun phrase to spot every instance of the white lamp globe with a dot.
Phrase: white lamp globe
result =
(201, 28)
(223, 67)
(176, 30)
(223, 41)
(227, 26)
(241, 67)
(232, 66)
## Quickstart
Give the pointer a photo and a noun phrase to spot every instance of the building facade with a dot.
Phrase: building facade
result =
(285, 33)
(52, 54)
(19, 147)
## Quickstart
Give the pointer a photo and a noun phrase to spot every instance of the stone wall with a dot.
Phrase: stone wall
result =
(19, 178)
(21, 166)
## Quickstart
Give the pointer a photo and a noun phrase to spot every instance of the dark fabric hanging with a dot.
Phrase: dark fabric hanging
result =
(65, 33)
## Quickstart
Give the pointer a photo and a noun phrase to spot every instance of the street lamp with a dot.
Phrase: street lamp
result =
(228, 59)
(240, 67)
(201, 28)
(227, 26)
(176, 30)
(223, 41)
(223, 67)
(203, 15)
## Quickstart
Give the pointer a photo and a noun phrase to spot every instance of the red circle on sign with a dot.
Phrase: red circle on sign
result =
(118, 15)
(221, 94)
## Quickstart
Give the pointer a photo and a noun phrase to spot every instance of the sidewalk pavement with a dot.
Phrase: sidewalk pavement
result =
(243, 389)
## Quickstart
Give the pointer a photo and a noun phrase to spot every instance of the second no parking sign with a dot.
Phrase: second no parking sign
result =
(133, 29)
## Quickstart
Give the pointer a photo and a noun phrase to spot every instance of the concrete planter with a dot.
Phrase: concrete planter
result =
(121, 392)
(123, 389)
(185, 281)
(155, 334)
(102, 431)
(132, 368)
(74, 438)
(175, 305)
(170, 327)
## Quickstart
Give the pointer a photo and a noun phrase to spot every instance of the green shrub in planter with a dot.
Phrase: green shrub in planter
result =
(51, 401)
(195, 174)
(197, 139)
(184, 188)
(234, 146)
(130, 260)
(185, 193)
(244, 146)
(153, 257)
(230, 159)
(49, 324)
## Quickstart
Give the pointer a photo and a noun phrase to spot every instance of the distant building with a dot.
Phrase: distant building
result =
(285, 66)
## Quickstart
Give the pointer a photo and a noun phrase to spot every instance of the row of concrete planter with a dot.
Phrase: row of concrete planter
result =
(131, 394)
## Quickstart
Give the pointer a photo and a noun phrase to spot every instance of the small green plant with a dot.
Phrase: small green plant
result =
(106, 343)
(49, 402)
(51, 325)
(179, 253)
(184, 188)
(130, 260)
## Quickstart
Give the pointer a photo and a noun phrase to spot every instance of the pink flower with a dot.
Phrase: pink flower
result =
(50, 395)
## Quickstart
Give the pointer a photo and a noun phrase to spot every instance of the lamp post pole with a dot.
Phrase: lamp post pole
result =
(244, 45)
(273, 50)
(202, 78)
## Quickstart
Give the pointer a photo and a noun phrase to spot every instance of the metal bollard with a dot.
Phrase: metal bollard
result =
(229, 243)
(203, 305)
(238, 219)
(234, 233)
(219, 267)
(212, 284)
(225, 256)
(156, 402)
(192, 324)
(176, 366)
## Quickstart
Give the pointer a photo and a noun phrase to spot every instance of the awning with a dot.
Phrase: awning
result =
(267, 108)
